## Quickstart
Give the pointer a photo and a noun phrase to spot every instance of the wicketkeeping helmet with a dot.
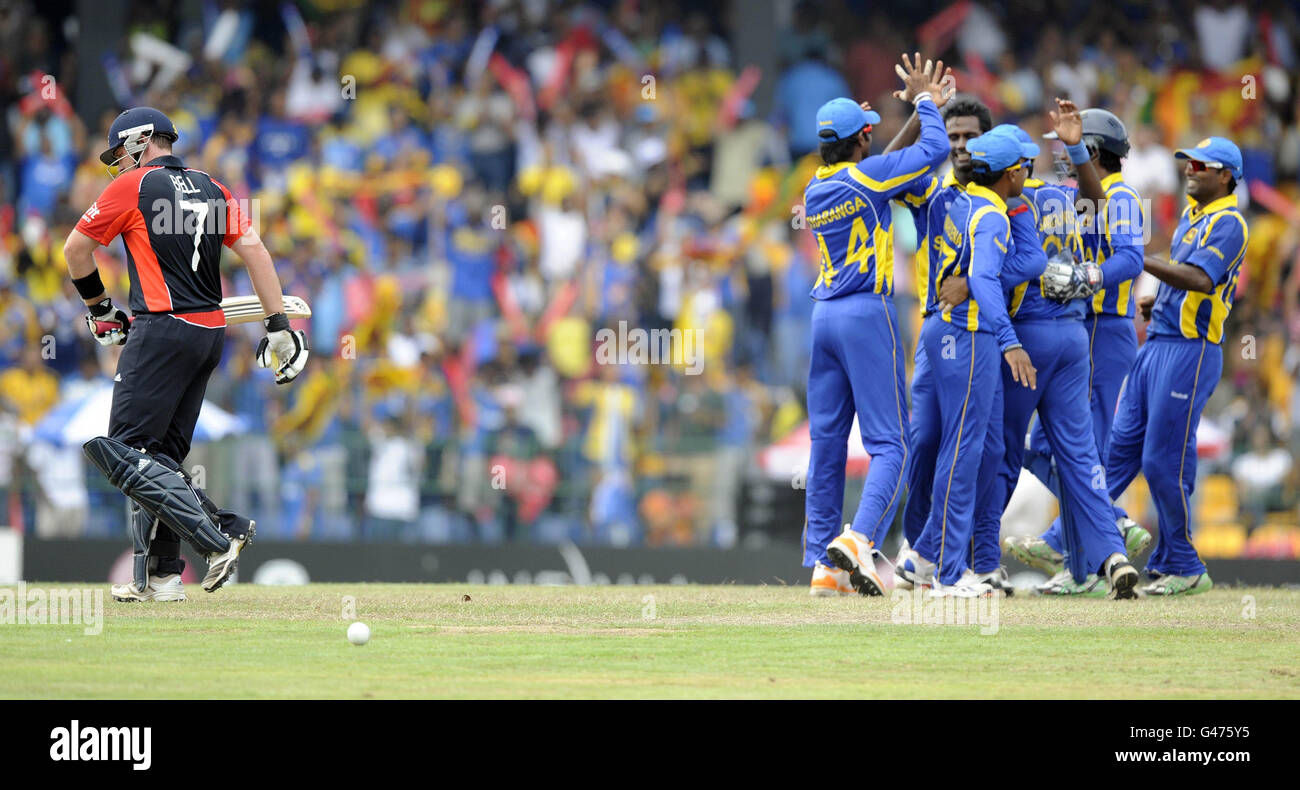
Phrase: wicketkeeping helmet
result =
(132, 129)
(1102, 129)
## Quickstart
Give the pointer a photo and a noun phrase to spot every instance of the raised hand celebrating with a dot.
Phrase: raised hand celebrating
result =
(1067, 122)
(930, 78)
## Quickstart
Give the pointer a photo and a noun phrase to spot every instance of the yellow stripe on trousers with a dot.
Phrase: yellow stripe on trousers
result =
(1187, 432)
(961, 425)
(898, 408)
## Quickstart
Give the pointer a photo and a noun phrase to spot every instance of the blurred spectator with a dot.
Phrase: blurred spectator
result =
(1150, 167)
(30, 388)
(805, 86)
(45, 175)
(1261, 474)
(62, 500)
(487, 114)
(521, 475)
(981, 35)
(739, 154)
(1222, 28)
(315, 91)
(740, 425)
(393, 490)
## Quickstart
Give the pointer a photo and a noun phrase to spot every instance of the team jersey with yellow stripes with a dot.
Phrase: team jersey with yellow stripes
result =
(976, 243)
(1113, 240)
(929, 200)
(1213, 238)
(847, 209)
(1050, 226)
(1053, 209)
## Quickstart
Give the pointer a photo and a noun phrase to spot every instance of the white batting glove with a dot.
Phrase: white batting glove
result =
(284, 350)
(108, 323)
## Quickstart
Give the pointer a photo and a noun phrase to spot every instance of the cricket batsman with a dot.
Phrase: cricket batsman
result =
(1179, 366)
(857, 363)
(173, 222)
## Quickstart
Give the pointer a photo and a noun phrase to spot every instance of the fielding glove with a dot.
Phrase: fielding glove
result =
(108, 323)
(284, 350)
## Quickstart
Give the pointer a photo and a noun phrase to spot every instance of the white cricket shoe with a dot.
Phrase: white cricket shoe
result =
(1063, 584)
(911, 570)
(1136, 539)
(221, 566)
(161, 588)
(966, 587)
(998, 580)
(1033, 551)
(1179, 585)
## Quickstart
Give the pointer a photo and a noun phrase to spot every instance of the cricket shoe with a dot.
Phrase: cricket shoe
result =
(999, 580)
(160, 588)
(829, 582)
(857, 556)
(221, 566)
(1035, 552)
(1179, 585)
(1063, 584)
(1122, 577)
(966, 587)
(1136, 539)
(910, 570)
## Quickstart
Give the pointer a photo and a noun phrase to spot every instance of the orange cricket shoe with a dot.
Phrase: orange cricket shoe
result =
(851, 553)
(829, 582)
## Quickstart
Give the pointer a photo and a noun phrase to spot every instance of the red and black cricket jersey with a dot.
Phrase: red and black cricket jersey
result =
(173, 221)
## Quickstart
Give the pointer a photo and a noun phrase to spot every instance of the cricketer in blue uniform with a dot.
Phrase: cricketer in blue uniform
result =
(963, 343)
(1041, 225)
(1023, 263)
(928, 201)
(1053, 335)
(858, 361)
(1112, 240)
(1180, 364)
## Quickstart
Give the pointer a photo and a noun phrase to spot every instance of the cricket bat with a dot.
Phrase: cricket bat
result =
(247, 309)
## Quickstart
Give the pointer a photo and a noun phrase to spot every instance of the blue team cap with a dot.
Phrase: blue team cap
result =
(996, 149)
(1028, 148)
(842, 118)
(1219, 150)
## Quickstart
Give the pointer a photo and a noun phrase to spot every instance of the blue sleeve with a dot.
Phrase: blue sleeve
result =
(891, 174)
(989, 244)
(1220, 245)
(1027, 260)
(1124, 230)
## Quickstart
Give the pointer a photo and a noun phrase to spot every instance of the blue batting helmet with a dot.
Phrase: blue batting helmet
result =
(132, 129)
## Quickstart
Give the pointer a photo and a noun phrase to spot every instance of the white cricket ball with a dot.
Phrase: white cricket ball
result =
(358, 633)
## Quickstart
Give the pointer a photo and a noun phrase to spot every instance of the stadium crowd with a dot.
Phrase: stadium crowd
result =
(467, 192)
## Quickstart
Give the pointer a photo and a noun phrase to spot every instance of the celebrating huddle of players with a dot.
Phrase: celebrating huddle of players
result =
(1027, 355)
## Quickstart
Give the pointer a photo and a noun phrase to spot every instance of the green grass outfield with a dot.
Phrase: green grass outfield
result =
(703, 641)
